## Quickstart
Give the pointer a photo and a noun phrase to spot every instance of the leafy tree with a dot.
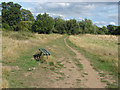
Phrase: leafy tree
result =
(11, 14)
(117, 31)
(26, 15)
(111, 29)
(24, 26)
(101, 31)
(0, 21)
(6, 26)
(105, 30)
(43, 24)
(87, 26)
(59, 25)
(95, 28)
(72, 27)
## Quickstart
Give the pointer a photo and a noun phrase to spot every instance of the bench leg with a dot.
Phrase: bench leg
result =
(47, 56)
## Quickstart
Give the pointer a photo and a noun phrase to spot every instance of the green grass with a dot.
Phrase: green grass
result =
(98, 63)
(78, 64)
(85, 73)
(24, 62)
(70, 69)
(60, 78)
(102, 74)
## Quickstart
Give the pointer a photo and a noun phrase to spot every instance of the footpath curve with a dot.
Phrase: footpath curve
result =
(92, 80)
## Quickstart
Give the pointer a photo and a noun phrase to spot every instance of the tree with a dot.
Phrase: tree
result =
(59, 25)
(72, 27)
(117, 31)
(11, 14)
(105, 30)
(87, 26)
(24, 26)
(101, 31)
(26, 15)
(0, 21)
(43, 24)
(111, 29)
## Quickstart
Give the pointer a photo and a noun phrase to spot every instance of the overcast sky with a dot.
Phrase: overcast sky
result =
(101, 13)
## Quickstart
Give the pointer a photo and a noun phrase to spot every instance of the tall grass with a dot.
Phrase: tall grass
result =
(5, 83)
(15, 43)
(102, 53)
(106, 46)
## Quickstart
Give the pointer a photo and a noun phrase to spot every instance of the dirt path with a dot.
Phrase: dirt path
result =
(91, 80)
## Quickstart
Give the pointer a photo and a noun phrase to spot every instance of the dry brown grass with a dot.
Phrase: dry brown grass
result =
(103, 45)
(5, 72)
(4, 83)
(13, 47)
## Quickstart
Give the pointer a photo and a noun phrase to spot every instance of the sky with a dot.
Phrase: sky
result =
(101, 13)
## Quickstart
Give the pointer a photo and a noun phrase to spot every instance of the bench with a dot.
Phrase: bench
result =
(42, 51)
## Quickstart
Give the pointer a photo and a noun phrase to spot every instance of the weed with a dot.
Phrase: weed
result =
(51, 63)
(61, 65)
(57, 79)
(78, 80)
(103, 80)
(52, 68)
(85, 73)
(70, 69)
(60, 78)
(102, 74)
(5, 71)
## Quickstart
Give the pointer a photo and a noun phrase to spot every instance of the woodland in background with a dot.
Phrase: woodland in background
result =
(15, 18)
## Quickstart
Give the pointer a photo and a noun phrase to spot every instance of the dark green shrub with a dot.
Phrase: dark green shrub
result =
(6, 26)
(24, 26)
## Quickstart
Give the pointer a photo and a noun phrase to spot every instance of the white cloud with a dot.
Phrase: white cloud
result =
(35, 14)
(57, 5)
(113, 16)
(56, 15)
(90, 6)
(28, 9)
(98, 12)
(100, 23)
(67, 19)
(79, 18)
(63, 4)
(61, 0)
(112, 23)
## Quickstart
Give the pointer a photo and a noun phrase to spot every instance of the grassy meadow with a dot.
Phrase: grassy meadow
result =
(101, 50)
(105, 46)
(17, 58)
(16, 43)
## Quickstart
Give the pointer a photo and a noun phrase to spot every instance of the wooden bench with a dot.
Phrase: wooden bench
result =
(42, 51)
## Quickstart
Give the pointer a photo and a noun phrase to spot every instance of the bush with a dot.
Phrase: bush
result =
(51, 63)
(6, 26)
(26, 33)
(24, 26)
(20, 35)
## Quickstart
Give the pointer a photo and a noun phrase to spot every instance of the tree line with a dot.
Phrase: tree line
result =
(15, 18)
